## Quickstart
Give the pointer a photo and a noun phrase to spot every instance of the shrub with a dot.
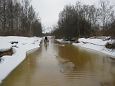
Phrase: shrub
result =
(110, 45)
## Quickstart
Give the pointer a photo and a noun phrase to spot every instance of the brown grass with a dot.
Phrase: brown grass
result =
(7, 52)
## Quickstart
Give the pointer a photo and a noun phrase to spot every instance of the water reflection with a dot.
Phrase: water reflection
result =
(46, 45)
(80, 64)
(73, 55)
(57, 65)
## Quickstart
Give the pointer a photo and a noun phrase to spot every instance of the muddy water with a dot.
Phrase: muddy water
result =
(63, 65)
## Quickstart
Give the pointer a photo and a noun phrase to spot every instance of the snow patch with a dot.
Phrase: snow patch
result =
(20, 49)
(96, 44)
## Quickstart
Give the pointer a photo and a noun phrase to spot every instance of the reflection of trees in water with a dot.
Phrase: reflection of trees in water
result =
(112, 69)
(74, 56)
(108, 75)
(74, 61)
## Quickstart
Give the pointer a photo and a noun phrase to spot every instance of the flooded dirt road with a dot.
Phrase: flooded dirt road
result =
(63, 65)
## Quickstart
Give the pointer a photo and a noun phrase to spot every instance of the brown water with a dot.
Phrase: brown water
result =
(63, 65)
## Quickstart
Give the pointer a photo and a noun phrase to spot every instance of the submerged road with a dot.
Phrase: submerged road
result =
(63, 65)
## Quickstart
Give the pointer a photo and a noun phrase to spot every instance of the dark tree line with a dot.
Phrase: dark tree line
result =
(85, 20)
(19, 18)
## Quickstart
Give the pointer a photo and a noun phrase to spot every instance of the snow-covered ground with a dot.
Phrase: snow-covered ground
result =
(9, 63)
(97, 44)
(62, 41)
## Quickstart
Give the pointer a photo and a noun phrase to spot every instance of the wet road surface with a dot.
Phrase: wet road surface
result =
(63, 65)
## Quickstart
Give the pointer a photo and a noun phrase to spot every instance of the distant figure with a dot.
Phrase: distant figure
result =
(46, 40)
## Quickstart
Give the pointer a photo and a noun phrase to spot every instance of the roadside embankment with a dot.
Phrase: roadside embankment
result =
(20, 46)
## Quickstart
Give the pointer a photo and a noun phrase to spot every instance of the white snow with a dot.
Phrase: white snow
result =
(62, 41)
(5, 46)
(96, 44)
(99, 42)
(9, 63)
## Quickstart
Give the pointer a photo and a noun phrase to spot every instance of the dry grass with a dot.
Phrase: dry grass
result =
(7, 52)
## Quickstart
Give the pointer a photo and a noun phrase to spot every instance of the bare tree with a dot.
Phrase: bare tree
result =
(106, 12)
(18, 18)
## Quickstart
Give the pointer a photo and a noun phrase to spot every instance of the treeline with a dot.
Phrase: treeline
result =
(85, 20)
(19, 18)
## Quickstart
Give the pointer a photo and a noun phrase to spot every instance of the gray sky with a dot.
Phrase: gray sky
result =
(48, 10)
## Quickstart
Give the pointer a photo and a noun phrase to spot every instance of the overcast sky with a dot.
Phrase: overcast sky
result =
(48, 10)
